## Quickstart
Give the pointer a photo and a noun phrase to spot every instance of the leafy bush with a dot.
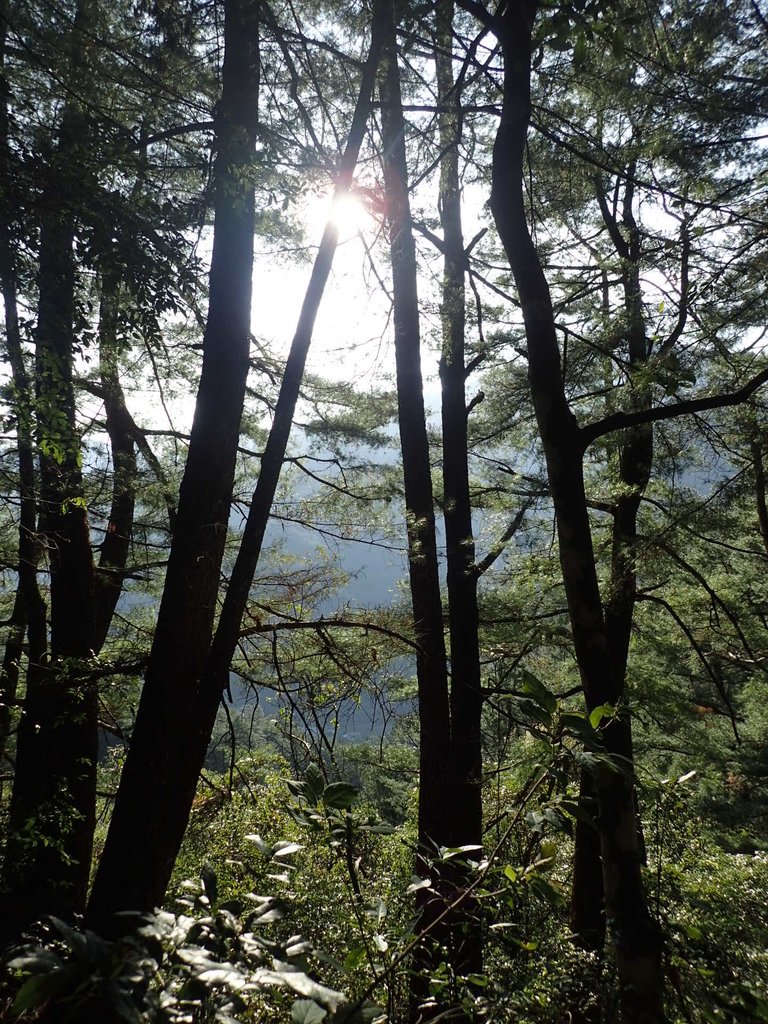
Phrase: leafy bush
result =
(207, 964)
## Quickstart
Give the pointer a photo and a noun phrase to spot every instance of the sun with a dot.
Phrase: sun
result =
(348, 213)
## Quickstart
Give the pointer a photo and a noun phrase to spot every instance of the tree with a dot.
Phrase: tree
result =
(53, 805)
(59, 239)
(601, 643)
(168, 726)
(635, 935)
(146, 861)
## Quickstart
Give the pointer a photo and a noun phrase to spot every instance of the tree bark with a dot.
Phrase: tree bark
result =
(634, 471)
(431, 667)
(161, 770)
(634, 934)
(436, 773)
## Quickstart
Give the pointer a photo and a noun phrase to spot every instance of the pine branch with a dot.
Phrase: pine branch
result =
(623, 420)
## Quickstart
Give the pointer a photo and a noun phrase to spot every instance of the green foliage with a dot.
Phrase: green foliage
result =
(712, 904)
(213, 962)
(657, 112)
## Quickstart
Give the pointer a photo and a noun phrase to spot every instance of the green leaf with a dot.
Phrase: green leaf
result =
(210, 882)
(538, 692)
(595, 762)
(314, 782)
(599, 713)
(378, 827)
(548, 849)
(354, 958)
(529, 947)
(301, 984)
(546, 890)
(364, 1014)
(40, 988)
(285, 849)
(574, 724)
(451, 852)
(305, 1011)
(419, 883)
(260, 845)
(340, 795)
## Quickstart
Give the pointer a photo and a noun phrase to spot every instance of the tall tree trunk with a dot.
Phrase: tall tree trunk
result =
(435, 799)
(249, 552)
(161, 769)
(28, 614)
(634, 935)
(46, 867)
(436, 777)
(466, 702)
(634, 470)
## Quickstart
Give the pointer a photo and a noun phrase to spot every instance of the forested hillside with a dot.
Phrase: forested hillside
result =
(384, 511)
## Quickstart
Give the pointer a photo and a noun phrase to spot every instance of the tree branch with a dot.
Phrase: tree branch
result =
(699, 654)
(318, 625)
(623, 420)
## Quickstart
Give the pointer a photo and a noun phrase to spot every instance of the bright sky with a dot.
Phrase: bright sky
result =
(350, 340)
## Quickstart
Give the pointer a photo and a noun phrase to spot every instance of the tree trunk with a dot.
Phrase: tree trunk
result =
(249, 552)
(46, 868)
(28, 614)
(432, 673)
(117, 539)
(436, 776)
(161, 770)
(634, 935)
(466, 701)
(635, 463)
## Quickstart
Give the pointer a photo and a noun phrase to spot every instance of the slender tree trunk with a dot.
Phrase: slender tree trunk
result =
(46, 867)
(117, 539)
(466, 702)
(436, 776)
(634, 470)
(435, 799)
(161, 770)
(636, 448)
(249, 552)
(634, 935)
(28, 614)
